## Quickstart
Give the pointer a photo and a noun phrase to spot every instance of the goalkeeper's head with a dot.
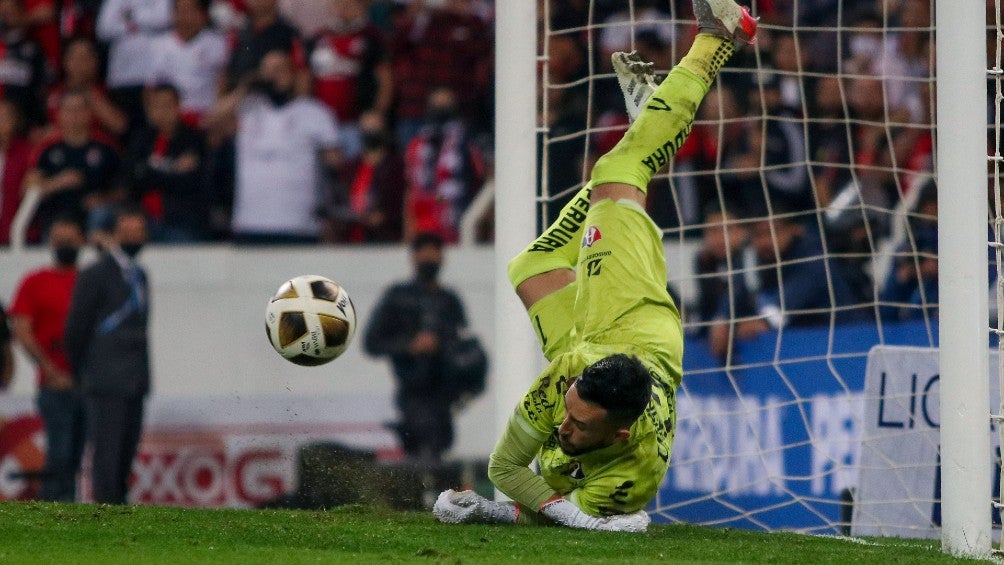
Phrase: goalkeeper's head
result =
(603, 403)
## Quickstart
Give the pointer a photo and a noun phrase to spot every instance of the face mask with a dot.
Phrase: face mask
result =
(440, 116)
(278, 97)
(131, 249)
(374, 139)
(65, 255)
(428, 271)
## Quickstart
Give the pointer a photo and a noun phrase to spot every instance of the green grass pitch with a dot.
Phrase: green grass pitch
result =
(78, 533)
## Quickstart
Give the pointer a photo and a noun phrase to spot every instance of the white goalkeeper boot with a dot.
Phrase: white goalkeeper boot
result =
(725, 18)
(636, 79)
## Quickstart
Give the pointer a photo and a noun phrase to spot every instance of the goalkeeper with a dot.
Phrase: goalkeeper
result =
(600, 419)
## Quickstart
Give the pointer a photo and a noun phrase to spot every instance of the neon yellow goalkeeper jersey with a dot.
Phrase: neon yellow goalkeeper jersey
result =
(618, 479)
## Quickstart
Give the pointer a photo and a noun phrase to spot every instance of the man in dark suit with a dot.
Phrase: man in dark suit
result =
(106, 343)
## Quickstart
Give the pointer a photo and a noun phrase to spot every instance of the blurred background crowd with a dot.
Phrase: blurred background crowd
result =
(808, 176)
(361, 121)
(250, 120)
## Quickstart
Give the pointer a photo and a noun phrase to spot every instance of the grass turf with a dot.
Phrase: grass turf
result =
(77, 533)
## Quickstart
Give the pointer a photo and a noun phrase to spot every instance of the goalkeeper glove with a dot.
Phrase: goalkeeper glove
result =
(563, 512)
(468, 507)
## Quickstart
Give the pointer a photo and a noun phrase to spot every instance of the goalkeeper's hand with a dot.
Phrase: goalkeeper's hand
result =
(564, 512)
(468, 507)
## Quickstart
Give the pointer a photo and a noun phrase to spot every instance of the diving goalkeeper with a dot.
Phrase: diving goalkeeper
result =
(600, 419)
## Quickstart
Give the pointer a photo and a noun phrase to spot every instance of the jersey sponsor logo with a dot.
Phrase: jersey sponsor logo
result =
(591, 236)
(663, 154)
(593, 267)
(566, 228)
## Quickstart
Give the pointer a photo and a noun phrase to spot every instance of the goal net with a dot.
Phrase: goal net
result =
(801, 234)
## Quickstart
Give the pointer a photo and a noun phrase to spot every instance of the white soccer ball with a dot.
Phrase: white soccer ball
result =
(310, 320)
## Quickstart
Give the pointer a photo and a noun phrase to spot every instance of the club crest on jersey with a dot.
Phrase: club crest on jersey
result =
(591, 236)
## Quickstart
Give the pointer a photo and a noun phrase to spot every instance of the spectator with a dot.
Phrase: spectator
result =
(81, 67)
(74, 168)
(78, 18)
(282, 142)
(15, 160)
(724, 299)
(619, 29)
(828, 139)
(789, 61)
(165, 170)
(108, 350)
(910, 291)
(6, 352)
(266, 31)
(38, 316)
(444, 169)
(351, 70)
(308, 16)
(445, 45)
(43, 29)
(191, 58)
(370, 206)
(23, 70)
(792, 265)
(129, 26)
(412, 325)
(786, 171)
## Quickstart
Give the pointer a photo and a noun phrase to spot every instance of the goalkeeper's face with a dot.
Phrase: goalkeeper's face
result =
(586, 426)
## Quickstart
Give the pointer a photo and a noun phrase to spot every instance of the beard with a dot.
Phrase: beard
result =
(574, 451)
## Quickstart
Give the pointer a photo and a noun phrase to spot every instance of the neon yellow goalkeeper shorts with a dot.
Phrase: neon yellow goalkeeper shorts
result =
(621, 306)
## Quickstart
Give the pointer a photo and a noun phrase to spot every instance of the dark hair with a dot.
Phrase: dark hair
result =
(203, 5)
(127, 210)
(68, 218)
(618, 383)
(426, 239)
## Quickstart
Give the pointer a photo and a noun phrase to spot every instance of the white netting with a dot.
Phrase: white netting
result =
(800, 230)
(995, 73)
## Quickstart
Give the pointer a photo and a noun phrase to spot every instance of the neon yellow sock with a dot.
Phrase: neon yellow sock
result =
(558, 246)
(707, 56)
(665, 121)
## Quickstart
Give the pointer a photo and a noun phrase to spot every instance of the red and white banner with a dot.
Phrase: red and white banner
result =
(206, 452)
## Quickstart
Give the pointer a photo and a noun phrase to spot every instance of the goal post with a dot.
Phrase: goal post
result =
(515, 348)
(963, 279)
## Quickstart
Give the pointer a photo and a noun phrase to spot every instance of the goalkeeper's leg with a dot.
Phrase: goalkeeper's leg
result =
(544, 273)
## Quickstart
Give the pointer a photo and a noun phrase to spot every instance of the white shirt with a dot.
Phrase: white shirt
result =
(618, 30)
(278, 165)
(191, 66)
(130, 25)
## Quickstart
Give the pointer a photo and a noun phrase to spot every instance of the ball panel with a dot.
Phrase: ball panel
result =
(309, 360)
(336, 330)
(292, 326)
(287, 290)
(324, 290)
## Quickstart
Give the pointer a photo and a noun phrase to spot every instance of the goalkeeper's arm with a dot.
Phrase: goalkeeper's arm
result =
(508, 469)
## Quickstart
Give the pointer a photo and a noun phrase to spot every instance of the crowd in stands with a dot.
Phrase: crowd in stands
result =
(255, 121)
(798, 160)
(355, 121)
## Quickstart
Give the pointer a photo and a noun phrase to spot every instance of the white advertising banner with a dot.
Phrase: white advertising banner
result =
(899, 489)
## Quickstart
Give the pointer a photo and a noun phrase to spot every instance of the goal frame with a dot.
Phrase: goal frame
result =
(963, 279)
